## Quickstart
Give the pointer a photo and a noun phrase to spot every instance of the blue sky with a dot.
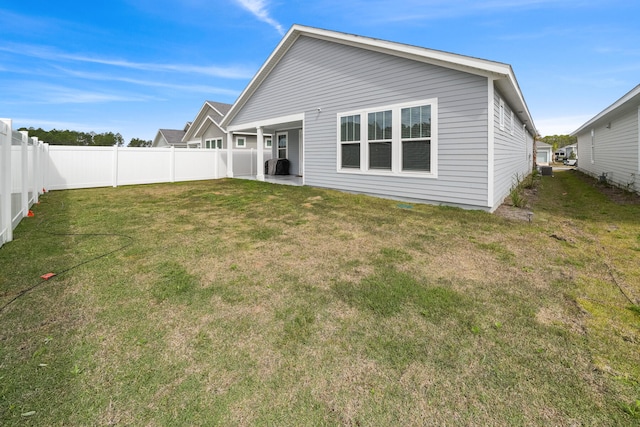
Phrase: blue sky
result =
(134, 66)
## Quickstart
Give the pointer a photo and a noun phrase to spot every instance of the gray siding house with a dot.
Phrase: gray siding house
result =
(206, 132)
(169, 138)
(544, 153)
(609, 143)
(387, 119)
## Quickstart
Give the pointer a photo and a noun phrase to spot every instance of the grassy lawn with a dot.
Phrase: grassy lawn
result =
(237, 302)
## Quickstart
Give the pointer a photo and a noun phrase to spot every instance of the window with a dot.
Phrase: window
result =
(379, 136)
(282, 144)
(213, 143)
(267, 142)
(416, 138)
(350, 141)
(241, 142)
(397, 139)
(501, 115)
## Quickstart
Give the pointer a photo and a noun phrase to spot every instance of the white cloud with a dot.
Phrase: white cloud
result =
(55, 94)
(42, 52)
(149, 83)
(259, 9)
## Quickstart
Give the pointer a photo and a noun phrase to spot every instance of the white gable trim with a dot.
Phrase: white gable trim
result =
(619, 103)
(489, 69)
(200, 120)
(198, 133)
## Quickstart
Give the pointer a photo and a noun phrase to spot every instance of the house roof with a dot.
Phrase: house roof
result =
(172, 136)
(220, 109)
(628, 101)
(500, 72)
(540, 144)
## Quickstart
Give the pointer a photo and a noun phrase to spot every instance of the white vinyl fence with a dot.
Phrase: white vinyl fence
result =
(29, 167)
(22, 174)
(87, 167)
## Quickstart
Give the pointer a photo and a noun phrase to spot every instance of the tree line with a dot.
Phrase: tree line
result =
(72, 137)
(559, 141)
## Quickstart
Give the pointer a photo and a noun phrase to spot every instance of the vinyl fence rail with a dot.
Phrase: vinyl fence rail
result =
(71, 167)
(22, 176)
(29, 167)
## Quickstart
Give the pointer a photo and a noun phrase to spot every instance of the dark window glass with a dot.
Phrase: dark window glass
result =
(351, 156)
(380, 155)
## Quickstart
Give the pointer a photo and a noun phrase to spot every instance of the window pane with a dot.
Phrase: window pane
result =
(416, 122)
(351, 156)
(416, 156)
(350, 128)
(380, 125)
(380, 155)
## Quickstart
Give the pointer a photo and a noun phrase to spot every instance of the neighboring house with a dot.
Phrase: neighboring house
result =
(206, 132)
(170, 138)
(387, 119)
(609, 143)
(544, 153)
(565, 152)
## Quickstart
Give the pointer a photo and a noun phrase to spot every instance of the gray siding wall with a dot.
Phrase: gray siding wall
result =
(615, 150)
(212, 132)
(337, 78)
(513, 154)
(294, 151)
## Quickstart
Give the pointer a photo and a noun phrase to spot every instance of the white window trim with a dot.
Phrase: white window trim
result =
(214, 143)
(501, 114)
(396, 141)
(269, 140)
(513, 125)
(286, 155)
(244, 139)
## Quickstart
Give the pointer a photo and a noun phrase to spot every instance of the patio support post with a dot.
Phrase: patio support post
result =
(230, 154)
(260, 161)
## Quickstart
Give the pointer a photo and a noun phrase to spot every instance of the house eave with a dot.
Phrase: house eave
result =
(630, 98)
(494, 71)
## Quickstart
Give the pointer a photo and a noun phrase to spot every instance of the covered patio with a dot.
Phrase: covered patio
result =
(286, 143)
(276, 179)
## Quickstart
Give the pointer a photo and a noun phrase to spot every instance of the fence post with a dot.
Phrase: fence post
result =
(24, 181)
(36, 169)
(115, 166)
(45, 166)
(216, 160)
(6, 231)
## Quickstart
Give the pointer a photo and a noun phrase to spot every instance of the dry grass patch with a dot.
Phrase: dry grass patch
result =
(246, 303)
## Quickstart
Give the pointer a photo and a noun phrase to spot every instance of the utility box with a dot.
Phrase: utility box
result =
(546, 170)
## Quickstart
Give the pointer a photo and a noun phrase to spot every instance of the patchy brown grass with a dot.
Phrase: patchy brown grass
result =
(245, 303)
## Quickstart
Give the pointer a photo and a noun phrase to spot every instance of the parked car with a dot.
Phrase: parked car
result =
(570, 162)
